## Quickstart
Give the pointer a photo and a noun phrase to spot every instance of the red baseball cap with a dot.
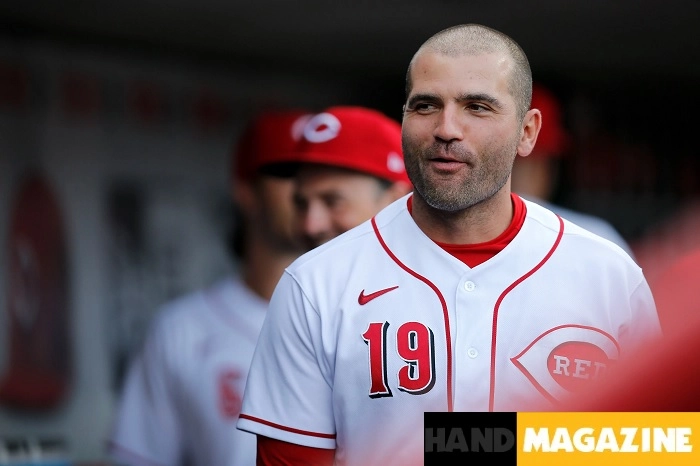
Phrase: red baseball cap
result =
(553, 139)
(351, 137)
(271, 136)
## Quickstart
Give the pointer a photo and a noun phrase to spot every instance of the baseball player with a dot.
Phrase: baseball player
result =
(461, 296)
(534, 176)
(349, 167)
(182, 395)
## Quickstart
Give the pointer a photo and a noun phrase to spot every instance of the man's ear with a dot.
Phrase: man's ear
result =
(529, 131)
(243, 195)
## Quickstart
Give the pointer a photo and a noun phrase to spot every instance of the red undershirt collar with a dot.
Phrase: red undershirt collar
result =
(475, 254)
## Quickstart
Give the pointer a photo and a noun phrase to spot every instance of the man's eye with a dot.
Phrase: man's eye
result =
(423, 107)
(332, 201)
(477, 107)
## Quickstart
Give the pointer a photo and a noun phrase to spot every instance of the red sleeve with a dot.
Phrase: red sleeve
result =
(272, 452)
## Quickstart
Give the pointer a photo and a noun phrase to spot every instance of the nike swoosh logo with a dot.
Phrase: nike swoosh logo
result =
(365, 298)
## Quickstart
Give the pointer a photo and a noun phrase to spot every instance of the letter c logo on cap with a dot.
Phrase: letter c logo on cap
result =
(321, 128)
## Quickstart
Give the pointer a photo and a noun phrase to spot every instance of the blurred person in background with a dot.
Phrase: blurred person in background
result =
(676, 292)
(670, 239)
(182, 394)
(350, 167)
(536, 176)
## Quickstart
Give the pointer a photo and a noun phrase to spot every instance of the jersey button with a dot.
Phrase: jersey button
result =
(472, 353)
(469, 286)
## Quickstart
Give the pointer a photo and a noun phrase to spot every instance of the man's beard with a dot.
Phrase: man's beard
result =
(483, 181)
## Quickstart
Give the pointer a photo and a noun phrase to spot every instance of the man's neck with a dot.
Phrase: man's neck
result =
(477, 224)
(263, 268)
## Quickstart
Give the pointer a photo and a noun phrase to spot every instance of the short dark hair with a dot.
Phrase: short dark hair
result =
(472, 39)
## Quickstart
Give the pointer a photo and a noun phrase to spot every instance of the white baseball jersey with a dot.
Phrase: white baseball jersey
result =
(370, 330)
(182, 395)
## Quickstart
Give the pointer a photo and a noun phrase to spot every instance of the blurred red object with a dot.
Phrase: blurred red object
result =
(39, 362)
(663, 376)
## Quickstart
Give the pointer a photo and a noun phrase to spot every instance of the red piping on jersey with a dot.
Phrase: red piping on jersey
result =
(445, 313)
(285, 428)
(535, 383)
(492, 385)
(585, 327)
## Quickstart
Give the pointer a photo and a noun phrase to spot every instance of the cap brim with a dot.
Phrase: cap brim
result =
(280, 169)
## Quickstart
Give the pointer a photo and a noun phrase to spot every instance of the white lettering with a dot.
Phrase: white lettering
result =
(561, 365)
(536, 439)
(646, 439)
(664, 439)
(561, 440)
(683, 440)
(599, 368)
(582, 367)
(628, 445)
(607, 440)
(586, 440)
(586, 444)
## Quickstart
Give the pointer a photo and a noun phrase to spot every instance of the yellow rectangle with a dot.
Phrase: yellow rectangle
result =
(601, 439)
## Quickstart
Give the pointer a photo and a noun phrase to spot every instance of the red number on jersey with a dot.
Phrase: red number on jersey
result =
(375, 337)
(415, 345)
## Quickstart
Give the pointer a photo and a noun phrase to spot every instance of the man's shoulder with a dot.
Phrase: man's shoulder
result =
(190, 310)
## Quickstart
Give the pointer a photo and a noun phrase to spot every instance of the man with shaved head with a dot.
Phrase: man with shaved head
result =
(473, 39)
(459, 296)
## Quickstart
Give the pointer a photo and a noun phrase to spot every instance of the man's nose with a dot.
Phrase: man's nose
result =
(449, 125)
(316, 221)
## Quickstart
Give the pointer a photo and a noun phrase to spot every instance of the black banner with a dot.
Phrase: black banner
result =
(470, 438)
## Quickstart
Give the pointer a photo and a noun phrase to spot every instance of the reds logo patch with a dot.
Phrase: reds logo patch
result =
(573, 363)
(230, 398)
(564, 359)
